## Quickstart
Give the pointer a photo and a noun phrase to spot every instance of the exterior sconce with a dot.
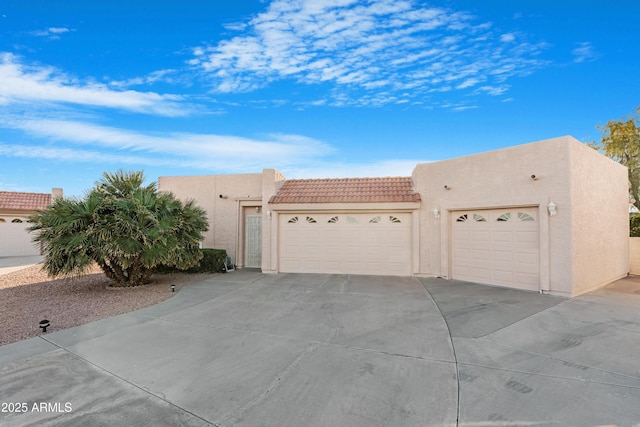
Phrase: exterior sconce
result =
(436, 213)
(268, 214)
(257, 209)
(551, 207)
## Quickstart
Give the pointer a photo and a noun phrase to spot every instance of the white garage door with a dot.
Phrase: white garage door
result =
(15, 240)
(352, 243)
(497, 246)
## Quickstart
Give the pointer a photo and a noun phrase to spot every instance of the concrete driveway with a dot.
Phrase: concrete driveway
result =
(328, 350)
(9, 264)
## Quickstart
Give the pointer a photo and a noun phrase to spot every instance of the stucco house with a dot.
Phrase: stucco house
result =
(549, 216)
(15, 208)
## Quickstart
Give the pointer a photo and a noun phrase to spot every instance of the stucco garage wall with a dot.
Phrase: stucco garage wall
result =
(272, 182)
(499, 179)
(223, 213)
(600, 219)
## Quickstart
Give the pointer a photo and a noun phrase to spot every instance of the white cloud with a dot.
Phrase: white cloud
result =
(359, 45)
(585, 52)
(53, 33)
(507, 38)
(205, 151)
(29, 84)
(76, 141)
(164, 76)
(77, 155)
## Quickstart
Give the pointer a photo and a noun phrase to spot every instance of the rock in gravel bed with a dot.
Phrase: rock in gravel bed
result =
(28, 296)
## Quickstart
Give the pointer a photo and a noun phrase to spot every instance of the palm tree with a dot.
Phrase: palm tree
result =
(126, 228)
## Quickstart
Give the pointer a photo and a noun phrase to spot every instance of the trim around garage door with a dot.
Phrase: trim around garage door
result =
(496, 246)
(378, 243)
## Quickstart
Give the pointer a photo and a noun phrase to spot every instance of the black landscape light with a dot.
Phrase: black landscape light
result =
(173, 288)
(44, 324)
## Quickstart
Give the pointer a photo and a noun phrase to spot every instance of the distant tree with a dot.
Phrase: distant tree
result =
(124, 227)
(621, 141)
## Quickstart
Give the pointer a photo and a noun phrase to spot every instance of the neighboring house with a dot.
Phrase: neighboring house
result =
(15, 208)
(549, 216)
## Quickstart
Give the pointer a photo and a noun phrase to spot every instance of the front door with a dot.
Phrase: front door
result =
(253, 241)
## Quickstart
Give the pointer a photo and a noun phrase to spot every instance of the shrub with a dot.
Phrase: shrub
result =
(634, 225)
(125, 227)
(212, 262)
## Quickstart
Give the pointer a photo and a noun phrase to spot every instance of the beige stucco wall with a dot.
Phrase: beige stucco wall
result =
(226, 213)
(634, 256)
(502, 178)
(600, 219)
(271, 183)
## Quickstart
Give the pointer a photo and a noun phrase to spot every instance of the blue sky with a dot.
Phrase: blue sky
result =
(313, 88)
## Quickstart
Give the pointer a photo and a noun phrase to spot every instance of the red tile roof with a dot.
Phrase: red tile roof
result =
(347, 190)
(24, 201)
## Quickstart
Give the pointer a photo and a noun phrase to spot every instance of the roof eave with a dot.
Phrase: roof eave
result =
(349, 206)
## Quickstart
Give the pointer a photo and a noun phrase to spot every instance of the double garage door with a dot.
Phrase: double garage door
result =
(376, 243)
(497, 246)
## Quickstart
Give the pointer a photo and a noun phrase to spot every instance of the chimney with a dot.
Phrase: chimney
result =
(56, 193)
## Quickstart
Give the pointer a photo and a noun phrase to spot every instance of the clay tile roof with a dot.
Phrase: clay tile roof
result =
(24, 201)
(347, 190)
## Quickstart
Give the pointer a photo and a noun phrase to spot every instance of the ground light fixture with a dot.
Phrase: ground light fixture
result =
(173, 288)
(44, 324)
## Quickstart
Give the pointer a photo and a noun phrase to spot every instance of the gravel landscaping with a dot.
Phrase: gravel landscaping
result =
(29, 295)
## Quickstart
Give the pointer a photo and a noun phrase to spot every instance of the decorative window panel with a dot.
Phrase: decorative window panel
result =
(525, 217)
(479, 218)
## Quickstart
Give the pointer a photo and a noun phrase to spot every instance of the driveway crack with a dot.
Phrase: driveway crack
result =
(453, 349)
(143, 389)
(273, 385)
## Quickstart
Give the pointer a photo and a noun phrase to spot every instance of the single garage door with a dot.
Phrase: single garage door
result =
(497, 246)
(345, 243)
(15, 239)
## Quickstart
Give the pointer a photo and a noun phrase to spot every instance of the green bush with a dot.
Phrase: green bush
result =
(634, 225)
(212, 262)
